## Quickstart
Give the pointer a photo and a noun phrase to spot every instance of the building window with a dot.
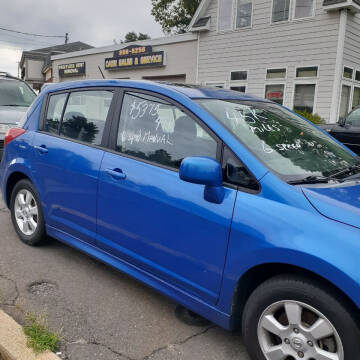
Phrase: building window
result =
(304, 97)
(303, 9)
(348, 73)
(356, 97)
(225, 15)
(357, 75)
(310, 71)
(276, 74)
(238, 75)
(345, 100)
(280, 10)
(238, 88)
(220, 85)
(243, 13)
(275, 93)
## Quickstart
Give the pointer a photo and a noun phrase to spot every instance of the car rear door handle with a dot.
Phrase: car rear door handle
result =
(42, 149)
(116, 174)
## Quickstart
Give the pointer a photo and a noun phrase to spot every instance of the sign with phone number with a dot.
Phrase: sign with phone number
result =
(135, 57)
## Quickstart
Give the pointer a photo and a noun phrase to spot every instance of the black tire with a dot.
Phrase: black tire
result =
(39, 236)
(305, 290)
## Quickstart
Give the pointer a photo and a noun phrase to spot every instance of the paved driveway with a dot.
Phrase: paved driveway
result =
(102, 314)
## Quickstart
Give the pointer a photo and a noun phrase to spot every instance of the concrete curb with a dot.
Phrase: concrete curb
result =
(13, 342)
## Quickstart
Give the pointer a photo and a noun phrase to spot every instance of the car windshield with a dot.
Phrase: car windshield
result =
(15, 93)
(283, 141)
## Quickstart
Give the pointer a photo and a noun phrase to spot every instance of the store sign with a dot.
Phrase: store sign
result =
(275, 95)
(134, 57)
(72, 69)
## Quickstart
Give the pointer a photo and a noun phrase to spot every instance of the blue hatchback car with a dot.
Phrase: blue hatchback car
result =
(235, 207)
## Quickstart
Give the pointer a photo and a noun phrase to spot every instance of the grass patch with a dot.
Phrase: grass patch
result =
(39, 338)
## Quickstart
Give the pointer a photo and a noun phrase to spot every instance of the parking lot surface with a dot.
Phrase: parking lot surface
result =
(100, 313)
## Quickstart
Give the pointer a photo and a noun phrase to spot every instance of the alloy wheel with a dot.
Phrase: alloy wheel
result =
(26, 212)
(292, 330)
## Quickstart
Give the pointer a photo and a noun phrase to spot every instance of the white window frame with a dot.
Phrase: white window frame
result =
(277, 68)
(276, 83)
(214, 83)
(302, 18)
(239, 81)
(353, 73)
(308, 77)
(282, 21)
(232, 19)
(346, 82)
(306, 81)
(245, 85)
(355, 70)
(235, 28)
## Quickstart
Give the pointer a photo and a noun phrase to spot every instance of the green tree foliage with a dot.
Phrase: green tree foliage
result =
(174, 15)
(133, 36)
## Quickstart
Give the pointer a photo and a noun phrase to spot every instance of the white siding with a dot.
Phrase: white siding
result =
(306, 42)
(352, 42)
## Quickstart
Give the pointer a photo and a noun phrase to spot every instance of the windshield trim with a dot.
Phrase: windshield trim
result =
(285, 178)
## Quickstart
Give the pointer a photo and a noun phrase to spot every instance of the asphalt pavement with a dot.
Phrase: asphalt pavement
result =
(100, 313)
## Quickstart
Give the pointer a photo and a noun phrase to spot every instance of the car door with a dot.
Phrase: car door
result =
(349, 132)
(68, 153)
(150, 218)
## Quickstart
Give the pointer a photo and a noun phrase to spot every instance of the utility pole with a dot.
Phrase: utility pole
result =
(66, 38)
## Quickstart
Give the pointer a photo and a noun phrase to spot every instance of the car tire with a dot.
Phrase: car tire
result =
(321, 322)
(26, 214)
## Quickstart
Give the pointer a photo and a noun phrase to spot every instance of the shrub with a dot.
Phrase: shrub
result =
(314, 118)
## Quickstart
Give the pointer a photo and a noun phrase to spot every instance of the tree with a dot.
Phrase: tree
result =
(174, 15)
(133, 36)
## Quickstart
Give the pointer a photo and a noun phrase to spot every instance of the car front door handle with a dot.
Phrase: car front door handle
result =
(42, 149)
(116, 174)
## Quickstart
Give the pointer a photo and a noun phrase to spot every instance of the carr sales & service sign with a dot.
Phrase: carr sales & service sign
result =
(72, 69)
(134, 56)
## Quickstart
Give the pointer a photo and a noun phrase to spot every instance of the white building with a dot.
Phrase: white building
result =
(304, 54)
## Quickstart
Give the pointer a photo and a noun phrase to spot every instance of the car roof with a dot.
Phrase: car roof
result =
(191, 91)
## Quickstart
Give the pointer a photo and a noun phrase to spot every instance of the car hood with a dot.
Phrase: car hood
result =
(340, 202)
(11, 114)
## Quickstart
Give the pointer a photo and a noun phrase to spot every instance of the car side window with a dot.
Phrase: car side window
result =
(85, 115)
(353, 119)
(234, 172)
(54, 111)
(158, 131)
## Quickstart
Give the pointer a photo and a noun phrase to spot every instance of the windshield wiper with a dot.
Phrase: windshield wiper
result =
(313, 179)
(347, 170)
(13, 105)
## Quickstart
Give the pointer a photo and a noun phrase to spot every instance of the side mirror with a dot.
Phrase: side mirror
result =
(341, 121)
(205, 171)
(348, 124)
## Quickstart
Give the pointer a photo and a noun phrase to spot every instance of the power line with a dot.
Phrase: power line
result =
(31, 34)
(25, 40)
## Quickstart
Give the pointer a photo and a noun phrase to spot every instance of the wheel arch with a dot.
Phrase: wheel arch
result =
(258, 274)
(12, 180)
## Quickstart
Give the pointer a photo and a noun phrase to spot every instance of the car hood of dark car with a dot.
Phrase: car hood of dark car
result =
(339, 202)
(327, 127)
(11, 114)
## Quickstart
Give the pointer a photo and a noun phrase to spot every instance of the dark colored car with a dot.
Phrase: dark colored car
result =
(15, 98)
(347, 130)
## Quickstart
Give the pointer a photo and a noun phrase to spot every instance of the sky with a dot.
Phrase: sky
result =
(97, 23)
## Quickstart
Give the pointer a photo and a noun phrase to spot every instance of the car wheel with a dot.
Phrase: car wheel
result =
(294, 318)
(26, 213)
